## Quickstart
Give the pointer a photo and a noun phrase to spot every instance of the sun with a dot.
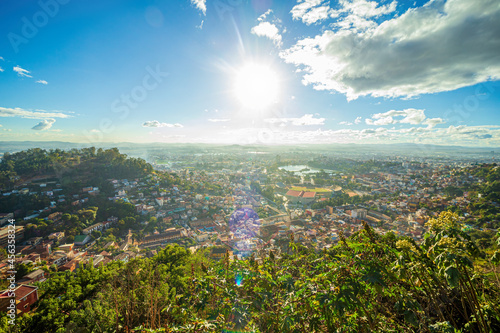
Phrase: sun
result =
(256, 86)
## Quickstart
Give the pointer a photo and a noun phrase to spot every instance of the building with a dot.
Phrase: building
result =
(67, 247)
(218, 253)
(57, 236)
(5, 217)
(35, 276)
(300, 197)
(94, 227)
(170, 234)
(69, 266)
(26, 296)
(4, 235)
(359, 214)
(81, 240)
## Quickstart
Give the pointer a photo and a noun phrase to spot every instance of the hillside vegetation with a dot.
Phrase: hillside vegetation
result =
(68, 166)
(366, 283)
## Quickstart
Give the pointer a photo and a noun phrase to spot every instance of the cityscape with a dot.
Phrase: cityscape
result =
(250, 166)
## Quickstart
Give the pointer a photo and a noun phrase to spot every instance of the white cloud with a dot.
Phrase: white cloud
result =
(345, 123)
(156, 123)
(305, 120)
(312, 11)
(201, 5)
(431, 122)
(441, 46)
(409, 116)
(44, 125)
(218, 120)
(1, 58)
(358, 120)
(269, 30)
(263, 16)
(364, 8)
(42, 82)
(39, 114)
(21, 71)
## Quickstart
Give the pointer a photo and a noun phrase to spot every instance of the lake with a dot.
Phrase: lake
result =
(297, 169)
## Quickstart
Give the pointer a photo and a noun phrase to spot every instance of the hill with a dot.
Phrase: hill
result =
(366, 283)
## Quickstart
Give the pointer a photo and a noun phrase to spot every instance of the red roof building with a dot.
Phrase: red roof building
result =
(26, 296)
(300, 197)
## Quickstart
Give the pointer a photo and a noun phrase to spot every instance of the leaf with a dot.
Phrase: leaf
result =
(374, 277)
(452, 275)
(496, 257)
(411, 318)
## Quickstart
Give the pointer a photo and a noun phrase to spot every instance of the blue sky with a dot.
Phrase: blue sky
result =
(241, 71)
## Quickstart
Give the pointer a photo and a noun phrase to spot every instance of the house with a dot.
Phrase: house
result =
(5, 217)
(123, 257)
(55, 216)
(94, 227)
(34, 241)
(57, 236)
(35, 276)
(4, 235)
(69, 266)
(81, 240)
(159, 201)
(218, 253)
(111, 244)
(158, 239)
(59, 259)
(26, 296)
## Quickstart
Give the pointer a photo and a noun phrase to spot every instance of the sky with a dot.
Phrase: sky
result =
(251, 71)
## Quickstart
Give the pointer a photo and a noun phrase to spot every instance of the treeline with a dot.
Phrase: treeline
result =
(366, 283)
(108, 163)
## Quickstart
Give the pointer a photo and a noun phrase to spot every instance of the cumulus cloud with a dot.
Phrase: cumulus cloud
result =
(21, 71)
(453, 135)
(407, 116)
(364, 8)
(156, 123)
(305, 120)
(441, 46)
(44, 125)
(358, 120)
(39, 114)
(200, 5)
(312, 11)
(42, 82)
(269, 30)
(431, 122)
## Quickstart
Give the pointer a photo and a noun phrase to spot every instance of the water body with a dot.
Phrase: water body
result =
(303, 170)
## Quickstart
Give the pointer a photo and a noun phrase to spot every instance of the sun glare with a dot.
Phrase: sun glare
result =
(256, 86)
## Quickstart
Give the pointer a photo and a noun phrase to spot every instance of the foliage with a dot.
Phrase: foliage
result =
(366, 283)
